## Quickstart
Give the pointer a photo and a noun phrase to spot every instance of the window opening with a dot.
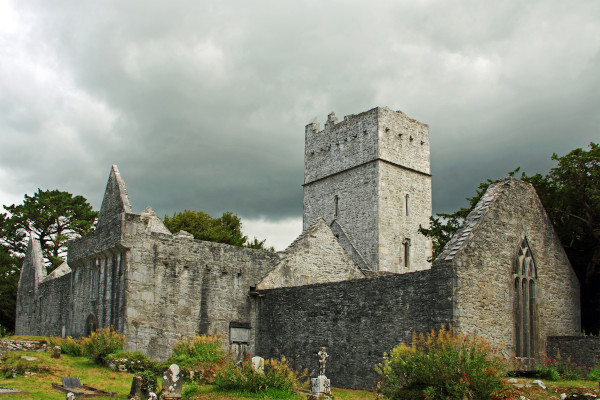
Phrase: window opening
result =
(406, 204)
(406, 245)
(524, 276)
(335, 201)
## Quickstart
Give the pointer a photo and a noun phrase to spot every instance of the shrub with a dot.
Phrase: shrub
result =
(101, 343)
(594, 374)
(241, 376)
(441, 366)
(68, 345)
(197, 357)
(554, 369)
(199, 347)
(128, 361)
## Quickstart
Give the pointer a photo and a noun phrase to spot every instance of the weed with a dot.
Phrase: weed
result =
(101, 343)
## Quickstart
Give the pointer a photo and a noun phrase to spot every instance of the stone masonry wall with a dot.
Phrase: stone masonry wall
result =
(315, 257)
(583, 350)
(178, 287)
(356, 320)
(485, 262)
(53, 307)
(395, 226)
(357, 207)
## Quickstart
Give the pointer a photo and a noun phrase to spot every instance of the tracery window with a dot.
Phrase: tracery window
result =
(524, 277)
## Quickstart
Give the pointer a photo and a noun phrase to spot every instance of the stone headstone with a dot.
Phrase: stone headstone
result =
(70, 396)
(172, 383)
(56, 350)
(71, 382)
(258, 364)
(29, 358)
(136, 388)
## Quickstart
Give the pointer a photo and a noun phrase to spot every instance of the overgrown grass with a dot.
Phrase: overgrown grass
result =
(197, 357)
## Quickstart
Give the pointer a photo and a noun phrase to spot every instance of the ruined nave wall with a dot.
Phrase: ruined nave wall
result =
(178, 287)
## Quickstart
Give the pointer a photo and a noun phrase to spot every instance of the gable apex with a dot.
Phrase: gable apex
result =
(116, 199)
(33, 270)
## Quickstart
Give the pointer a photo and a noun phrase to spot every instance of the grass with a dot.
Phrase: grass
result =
(39, 386)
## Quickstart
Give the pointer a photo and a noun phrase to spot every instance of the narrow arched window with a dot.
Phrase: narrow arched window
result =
(524, 277)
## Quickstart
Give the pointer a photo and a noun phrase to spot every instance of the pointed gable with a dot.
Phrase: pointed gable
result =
(33, 270)
(115, 201)
(315, 256)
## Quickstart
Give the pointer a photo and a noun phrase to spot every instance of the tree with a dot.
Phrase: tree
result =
(9, 280)
(570, 193)
(225, 229)
(54, 217)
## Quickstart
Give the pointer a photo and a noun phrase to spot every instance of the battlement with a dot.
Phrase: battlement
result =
(376, 134)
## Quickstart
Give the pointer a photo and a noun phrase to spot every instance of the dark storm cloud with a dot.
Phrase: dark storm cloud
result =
(203, 104)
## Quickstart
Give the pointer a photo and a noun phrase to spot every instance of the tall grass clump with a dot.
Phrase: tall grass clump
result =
(241, 376)
(441, 365)
(559, 368)
(67, 345)
(101, 343)
(198, 357)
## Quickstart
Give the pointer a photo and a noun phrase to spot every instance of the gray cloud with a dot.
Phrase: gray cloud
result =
(203, 104)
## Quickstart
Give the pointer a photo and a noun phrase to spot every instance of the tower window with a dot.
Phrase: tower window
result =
(406, 204)
(335, 204)
(406, 247)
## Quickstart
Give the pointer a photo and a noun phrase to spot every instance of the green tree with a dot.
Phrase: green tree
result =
(9, 280)
(570, 193)
(225, 229)
(54, 217)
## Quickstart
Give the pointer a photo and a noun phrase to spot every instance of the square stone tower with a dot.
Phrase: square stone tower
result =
(369, 178)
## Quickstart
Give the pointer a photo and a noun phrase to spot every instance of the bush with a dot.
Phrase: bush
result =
(554, 369)
(441, 366)
(200, 347)
(101, 343)
(241, 376)
(68, 345)
(594, 374)
(197, 357)
(127, 361)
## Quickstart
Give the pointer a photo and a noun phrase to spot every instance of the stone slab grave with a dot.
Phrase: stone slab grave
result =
(172, 383)
(72, 384)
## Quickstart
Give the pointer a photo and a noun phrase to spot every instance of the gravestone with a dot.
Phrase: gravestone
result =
(136, 392)
(258, 364)
(320, 387)
(172, 383)
(56, 350)
(71, 382)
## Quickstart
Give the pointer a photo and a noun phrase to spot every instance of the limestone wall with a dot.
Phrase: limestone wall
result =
(356, 191)
(484, 259)
(583, 350)
(178, 287)
(357, 320)
(397, 225)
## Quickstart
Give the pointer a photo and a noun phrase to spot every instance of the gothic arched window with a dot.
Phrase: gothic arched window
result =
(524, 276)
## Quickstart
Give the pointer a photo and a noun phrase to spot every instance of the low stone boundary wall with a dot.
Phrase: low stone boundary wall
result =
(583, 350)
(22, 345)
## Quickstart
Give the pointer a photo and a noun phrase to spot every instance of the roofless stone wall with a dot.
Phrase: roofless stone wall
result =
(356, 320)
(178, 287)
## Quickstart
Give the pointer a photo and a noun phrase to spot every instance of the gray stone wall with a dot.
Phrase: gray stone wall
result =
(357, 207)
(177, 287)
(583, 350)
(371, 162)
(315, 257)
(356, 320)
(54, 305)
(483, 260)
(398, 226)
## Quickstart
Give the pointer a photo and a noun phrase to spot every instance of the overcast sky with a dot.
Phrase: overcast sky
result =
(202, 104)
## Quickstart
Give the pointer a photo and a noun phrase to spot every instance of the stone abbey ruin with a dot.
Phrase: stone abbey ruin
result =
(357, 280)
